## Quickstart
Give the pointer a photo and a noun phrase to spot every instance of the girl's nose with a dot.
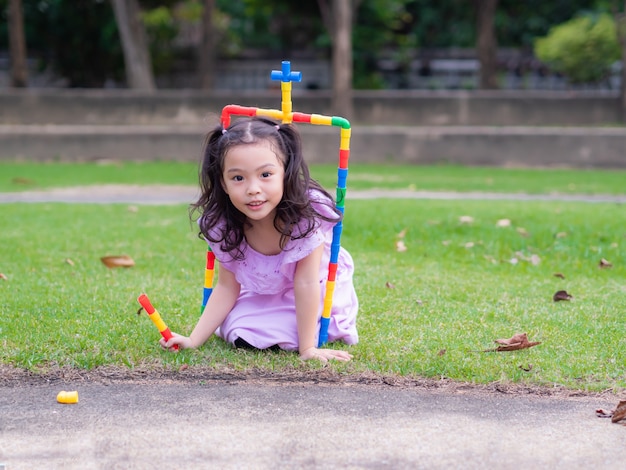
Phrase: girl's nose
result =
(253, 188)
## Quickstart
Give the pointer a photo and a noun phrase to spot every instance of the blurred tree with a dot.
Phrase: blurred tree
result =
(342, 104)
(208, 47)
(519, 23)
(382, 30)
(161, 30)
(17, 45)
(583, 48)
(281, 27)
(137, 59)
(293, 25)
(486, 43)
(216, 27)
(289, 28)
(337, 16)
(620, 21)
(66, 35)
(446, 23)
(75, 39)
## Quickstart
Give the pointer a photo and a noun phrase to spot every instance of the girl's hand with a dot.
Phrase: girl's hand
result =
(183, 342)
(325, 355)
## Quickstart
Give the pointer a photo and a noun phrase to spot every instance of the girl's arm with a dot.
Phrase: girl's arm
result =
(218, 306)
(307, 293)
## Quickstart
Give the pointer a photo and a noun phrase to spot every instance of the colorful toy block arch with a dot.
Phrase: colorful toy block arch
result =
(286, 115)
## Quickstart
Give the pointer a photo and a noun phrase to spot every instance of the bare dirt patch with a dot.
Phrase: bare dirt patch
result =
(146, 375)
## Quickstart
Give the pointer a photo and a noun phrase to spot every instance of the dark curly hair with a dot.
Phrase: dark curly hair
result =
(214, 205)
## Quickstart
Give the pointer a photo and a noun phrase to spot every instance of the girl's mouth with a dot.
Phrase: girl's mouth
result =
(255, 204)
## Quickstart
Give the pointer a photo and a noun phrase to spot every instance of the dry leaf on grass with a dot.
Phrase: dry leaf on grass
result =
(559, 275)
(22, 180)
(515, 339)
(389, 285)
(120, 261)
(400, 246)
(514, 343)
(605, 264)
(466, 219)
(69, 261)
(4, 277)
(503, 223)
(561, 295)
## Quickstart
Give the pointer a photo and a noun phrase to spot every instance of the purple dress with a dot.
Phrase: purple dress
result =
(265, 312)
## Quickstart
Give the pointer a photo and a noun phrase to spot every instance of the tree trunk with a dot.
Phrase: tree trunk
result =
(17, 45)
(137, 59)
(207, 59)
(620, 23)
(342, 59)
(487, 44)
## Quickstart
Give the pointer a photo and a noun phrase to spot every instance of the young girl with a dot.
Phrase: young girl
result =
(270, 227)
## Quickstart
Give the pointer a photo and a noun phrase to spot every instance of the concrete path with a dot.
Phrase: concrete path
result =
(263, 425)
(166, 194)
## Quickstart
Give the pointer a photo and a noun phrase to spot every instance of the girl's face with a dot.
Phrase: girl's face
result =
(253, 179)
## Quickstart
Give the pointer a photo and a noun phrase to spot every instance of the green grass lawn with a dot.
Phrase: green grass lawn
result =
(428, 311)
(24, 176)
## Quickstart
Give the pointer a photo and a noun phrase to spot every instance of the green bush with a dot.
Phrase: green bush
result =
(161, 30)
(583, 48)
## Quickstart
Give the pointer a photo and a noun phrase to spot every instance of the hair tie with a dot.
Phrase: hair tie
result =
(277, 127)
(224, 131)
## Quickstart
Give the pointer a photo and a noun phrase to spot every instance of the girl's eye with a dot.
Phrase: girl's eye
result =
(266, 174)
(237, 178)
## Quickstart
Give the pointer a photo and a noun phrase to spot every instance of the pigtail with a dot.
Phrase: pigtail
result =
(206, 168)
(213, 202)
